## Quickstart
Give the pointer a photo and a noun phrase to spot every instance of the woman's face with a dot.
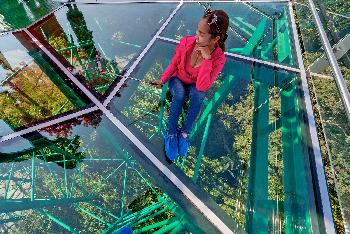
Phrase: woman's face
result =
(203, 37)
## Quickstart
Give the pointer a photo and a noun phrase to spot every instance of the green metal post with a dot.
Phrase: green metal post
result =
(201, 150)
(214, 103)
(296, 206)
(257, 216)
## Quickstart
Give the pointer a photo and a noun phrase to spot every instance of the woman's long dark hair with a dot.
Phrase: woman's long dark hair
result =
(218, 27)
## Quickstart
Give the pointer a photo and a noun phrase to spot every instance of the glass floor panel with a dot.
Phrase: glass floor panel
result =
(258, 30)
(102, 42)
(31, 89)
(246, 149)
(81, 176)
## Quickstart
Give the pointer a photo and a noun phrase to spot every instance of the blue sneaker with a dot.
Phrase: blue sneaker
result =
(183, 145)
(125, 230)
(171, 146)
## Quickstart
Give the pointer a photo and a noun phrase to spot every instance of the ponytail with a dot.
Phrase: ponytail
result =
(222, 40)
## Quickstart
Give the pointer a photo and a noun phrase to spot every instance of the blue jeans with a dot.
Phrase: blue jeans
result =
(179, 90)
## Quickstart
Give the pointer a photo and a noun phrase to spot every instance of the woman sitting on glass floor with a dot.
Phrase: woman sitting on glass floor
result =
(195, 65)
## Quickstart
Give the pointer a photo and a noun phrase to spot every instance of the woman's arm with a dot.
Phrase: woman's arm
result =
(208, 72)
(172, 67)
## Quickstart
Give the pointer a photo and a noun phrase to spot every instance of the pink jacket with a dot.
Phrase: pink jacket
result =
(207, 72)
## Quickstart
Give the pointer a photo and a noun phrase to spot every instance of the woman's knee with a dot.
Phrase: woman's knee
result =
(196, 94)
(176, 88)
(179, 96)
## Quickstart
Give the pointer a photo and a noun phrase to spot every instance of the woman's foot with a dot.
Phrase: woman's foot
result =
(183, 144)
(171, 146)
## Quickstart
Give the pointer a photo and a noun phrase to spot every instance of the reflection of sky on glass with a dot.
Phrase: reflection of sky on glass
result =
(12, 53)
(17, 58)
(9, 146)
(9, 42)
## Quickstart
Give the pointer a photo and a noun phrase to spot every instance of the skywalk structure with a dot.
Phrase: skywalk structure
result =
(81, 138)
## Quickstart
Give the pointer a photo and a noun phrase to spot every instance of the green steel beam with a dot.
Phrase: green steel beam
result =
(238, 22)
(155, 225)
(253, 41)
(169, 227)
(92, 215)
(14, 205)
(58, 221)
(8, 181)
(265, 52)
(257, 215)
(33, 179)
(214, 103)
(296, 205)
(282, 32)
(58, 184)
(281, 40)
(201, 150)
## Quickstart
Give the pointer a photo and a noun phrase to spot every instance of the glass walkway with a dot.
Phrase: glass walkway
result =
(81, 128)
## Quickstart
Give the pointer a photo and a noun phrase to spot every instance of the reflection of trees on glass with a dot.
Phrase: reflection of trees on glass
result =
(65, 129)
(31, 96)
(98, 71)
(5, 64)
(78, 24)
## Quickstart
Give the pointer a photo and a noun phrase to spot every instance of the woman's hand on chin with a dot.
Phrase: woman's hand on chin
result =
(205, 51)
